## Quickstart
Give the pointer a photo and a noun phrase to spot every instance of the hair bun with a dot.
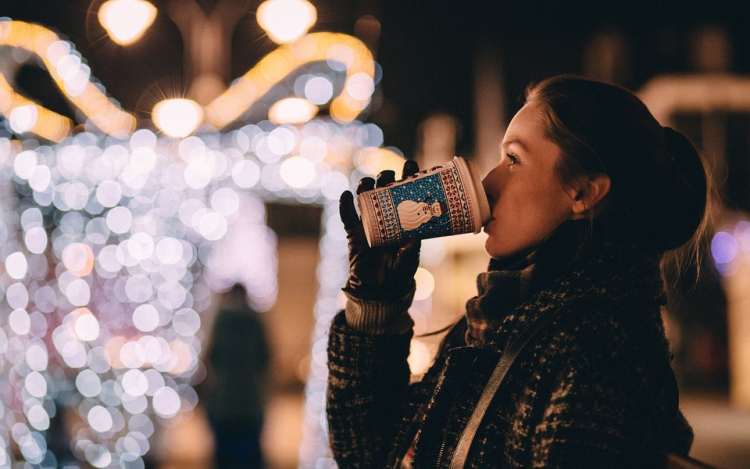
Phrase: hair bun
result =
(682, 196)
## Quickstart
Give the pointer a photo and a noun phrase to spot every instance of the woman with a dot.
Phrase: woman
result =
(589, 194)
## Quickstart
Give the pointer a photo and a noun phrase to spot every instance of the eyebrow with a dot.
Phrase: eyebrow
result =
(507, 143)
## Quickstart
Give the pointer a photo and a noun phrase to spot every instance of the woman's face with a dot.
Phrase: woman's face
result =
(527, 199)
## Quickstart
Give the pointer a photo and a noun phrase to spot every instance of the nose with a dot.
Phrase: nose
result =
(491, 184)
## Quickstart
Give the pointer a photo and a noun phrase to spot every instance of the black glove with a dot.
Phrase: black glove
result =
(383, 272)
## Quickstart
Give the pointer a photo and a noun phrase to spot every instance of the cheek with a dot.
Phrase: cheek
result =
(523, 220)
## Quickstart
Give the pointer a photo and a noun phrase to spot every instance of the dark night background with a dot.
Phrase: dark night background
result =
(426, 48)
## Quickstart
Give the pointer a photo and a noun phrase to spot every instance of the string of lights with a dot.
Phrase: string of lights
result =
(107, 267)
(108, 238)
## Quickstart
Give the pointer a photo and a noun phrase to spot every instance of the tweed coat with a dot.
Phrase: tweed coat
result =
(595, 389)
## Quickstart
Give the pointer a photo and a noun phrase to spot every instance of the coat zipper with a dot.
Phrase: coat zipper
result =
(450, 414)
(445, 431)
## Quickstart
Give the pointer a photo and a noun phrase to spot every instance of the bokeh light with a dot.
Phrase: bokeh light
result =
(425, 284)
(126, 20)
(342, 53)
(110, 242)
(70, 74)
(730, 246)
(292, 111)
(177, 117)
(286, 20)
(110, 256)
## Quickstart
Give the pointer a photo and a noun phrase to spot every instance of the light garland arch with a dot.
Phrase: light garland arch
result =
(104, 303)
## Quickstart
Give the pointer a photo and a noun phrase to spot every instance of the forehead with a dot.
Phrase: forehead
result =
(527, 124)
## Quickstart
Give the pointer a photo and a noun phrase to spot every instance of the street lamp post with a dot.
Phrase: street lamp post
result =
(207, 42)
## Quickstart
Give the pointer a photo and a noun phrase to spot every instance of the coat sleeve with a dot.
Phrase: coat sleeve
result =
(368, 381)
(602, 411)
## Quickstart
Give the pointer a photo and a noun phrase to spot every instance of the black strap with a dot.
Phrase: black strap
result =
(496, 379)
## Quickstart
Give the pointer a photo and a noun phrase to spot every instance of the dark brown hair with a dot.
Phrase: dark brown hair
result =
(659, 186)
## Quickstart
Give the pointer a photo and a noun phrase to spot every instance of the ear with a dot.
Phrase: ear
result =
(589, 194)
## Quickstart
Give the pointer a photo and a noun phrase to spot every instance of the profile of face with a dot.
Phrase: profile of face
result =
(527, 198)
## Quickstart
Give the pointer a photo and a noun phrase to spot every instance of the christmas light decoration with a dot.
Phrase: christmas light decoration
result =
(107, 240)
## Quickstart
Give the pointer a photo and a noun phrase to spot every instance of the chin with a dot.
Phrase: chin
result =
(491, 249)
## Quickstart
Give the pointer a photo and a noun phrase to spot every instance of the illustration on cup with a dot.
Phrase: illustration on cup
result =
(414, 214)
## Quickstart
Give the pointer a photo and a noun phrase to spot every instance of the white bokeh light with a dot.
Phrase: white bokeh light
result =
(88, 383)
(100, 419)
(177, 117)
(119, 219)
(134, 383)
(25, 163)
(86, 326)
(37, 357)
(78, 292)
(319, 90)
(35, 384)
(166, 402)
(16, 265)
(126, 228)
(23, 118)
(146, 318)
(36, 240)
(297, 171)
(19, 321)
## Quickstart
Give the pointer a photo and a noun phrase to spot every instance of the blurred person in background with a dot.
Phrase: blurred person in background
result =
(589, 196)
(235, 390)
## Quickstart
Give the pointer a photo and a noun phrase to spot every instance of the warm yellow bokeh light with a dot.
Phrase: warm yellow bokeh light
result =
(126, 20)
(286, 21)
(372, 160)
(177, 117)
(70, 75)
(420, 357)
(276, 66)
(292, 111)
(425, 284)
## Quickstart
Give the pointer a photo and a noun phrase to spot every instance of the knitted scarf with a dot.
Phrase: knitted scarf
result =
(499, 292)
(508, 283)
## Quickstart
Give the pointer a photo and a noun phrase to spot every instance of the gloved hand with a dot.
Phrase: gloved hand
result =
(383, 272)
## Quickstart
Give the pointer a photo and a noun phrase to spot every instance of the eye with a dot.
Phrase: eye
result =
(512, 159)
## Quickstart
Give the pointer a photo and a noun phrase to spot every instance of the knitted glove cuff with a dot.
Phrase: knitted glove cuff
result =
(379, 317)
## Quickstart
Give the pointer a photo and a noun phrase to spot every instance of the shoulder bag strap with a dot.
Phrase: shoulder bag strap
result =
(496, 379)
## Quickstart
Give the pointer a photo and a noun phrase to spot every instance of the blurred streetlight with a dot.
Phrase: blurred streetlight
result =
(286, 20)
(177, 117)
(126, 20)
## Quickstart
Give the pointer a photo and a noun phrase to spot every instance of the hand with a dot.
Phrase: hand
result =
(384, 272)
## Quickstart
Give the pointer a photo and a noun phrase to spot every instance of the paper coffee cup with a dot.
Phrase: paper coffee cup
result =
(445, 200)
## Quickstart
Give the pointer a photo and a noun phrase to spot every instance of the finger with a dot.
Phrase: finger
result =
(411, 248)
(385, 177)
(347, 212)
(410, 168)
(408, 254)
(365, 184)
